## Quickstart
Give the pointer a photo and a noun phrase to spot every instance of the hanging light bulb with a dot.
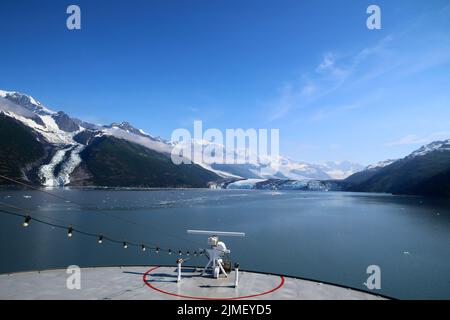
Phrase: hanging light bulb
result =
(157, 250)
(180, 253)
(170, 251)
(125, 245)
(187, 253)
(195, 253)
(100, 239)
(26, 222)
(143, 248)
(70, 232)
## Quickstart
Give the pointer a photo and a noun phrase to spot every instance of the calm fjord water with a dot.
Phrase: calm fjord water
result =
(328, 236)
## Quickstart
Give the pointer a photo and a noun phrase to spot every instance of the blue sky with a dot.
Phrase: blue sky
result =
(312, 69)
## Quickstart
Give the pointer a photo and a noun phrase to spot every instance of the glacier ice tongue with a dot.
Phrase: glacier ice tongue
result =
(47, 172)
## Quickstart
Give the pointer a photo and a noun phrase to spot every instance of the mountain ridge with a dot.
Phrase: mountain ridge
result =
(70, 136)
(53, 149)
(67, 140)
(422, 172)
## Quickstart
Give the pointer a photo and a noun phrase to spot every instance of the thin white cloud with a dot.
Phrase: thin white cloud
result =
(330, 111)
(324, 113)
(327, 62)
(413, 139)
(332, 68)
(329, 75)
(291, 97)
(392, 55)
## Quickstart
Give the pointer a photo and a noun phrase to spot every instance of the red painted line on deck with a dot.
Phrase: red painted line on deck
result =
(146, 281)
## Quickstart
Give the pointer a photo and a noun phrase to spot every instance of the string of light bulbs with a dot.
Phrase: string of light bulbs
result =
(110, 215)
(28, 219)
(10, 206)
(19, 209)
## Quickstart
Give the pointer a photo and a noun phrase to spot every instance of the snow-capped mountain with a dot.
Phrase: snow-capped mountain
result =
(340, 170)
(126, 126)
(54, 149)
(426, 171)
(439, 146)
(276, 168)
(26, 101)
(381, 164)
(284, 168)
(65, 144)
(294, 170)
(68, 141)
(55, 128)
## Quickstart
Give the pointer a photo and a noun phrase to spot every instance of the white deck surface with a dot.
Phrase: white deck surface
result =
(128, 283)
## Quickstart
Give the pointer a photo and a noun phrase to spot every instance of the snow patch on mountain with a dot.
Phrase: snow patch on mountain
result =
(340, 170)
(138, 139)
(26, 101)
(242, 164)
(13, 108)
(41, 123)
(434, 146)
(422, 151)
(54, 134)
(381, 164)
(269, 167)
(220, 173)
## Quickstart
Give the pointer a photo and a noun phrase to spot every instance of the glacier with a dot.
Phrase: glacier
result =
(47, 172)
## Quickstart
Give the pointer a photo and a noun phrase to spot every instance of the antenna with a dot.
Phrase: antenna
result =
(217, 233)
(217, 250)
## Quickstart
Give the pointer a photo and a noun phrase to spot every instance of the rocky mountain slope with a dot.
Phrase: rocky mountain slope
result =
(423, 172)
(52, 149)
